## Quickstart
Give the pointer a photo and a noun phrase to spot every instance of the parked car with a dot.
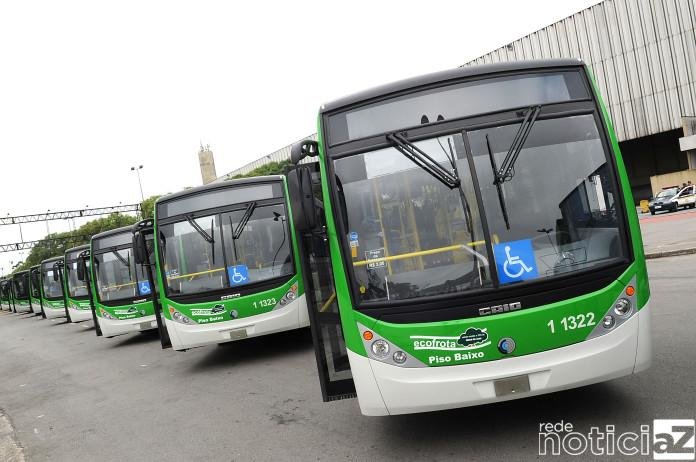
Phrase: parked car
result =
(686, 198)
(664, 201)
(673, 198)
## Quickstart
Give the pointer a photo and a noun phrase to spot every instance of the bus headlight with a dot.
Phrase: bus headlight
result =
(180, 318)
(288, 297)
(380, 348)
(622, 307)
(106, 315)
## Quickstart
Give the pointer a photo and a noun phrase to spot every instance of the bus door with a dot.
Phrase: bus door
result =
(144, 253)
(83, 274)
(59, 275)
(304, 187)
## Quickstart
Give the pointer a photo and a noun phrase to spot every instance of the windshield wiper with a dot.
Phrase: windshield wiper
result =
(243, 222)
(507, 169)
(209, 238)
(498, 184)
(423, 160)
(125, 262)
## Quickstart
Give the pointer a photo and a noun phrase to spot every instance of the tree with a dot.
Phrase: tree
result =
(147, 207)
(57, 243)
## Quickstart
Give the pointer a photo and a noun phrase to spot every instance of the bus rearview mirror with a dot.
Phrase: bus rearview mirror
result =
(81, 267)
(302, 199)
(139, 249)
(302, 149)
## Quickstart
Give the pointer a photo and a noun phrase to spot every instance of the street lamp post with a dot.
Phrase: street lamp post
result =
(137, 171)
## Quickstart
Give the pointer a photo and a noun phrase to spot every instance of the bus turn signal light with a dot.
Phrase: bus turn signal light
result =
(630, 291)
(367, 335)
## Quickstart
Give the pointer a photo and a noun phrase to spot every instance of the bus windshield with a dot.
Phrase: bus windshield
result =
(52, 289)
(118, 277)
(202, 254)
(35, 276)
(21, 284)
(76, 288)
(411, 236)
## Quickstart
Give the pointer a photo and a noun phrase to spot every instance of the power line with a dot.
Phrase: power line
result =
(68, 214)
(52, 240)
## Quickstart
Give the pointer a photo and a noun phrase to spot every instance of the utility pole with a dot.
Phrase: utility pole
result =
(137, 171)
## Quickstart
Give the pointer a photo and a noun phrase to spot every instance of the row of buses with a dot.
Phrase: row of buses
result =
(453, 239)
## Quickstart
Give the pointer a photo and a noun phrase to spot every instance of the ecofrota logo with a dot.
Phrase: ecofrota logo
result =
(669, 439)
(473, 336)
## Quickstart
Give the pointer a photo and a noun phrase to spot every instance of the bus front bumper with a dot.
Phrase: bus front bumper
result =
(384, 389)
(291, 316)
(79, 315)
(114, 327)
(22, 308)
(52, 313)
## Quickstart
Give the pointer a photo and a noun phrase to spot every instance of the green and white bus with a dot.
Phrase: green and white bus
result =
(6, 294)
(53, 288)
(20, 287)
(482, 238)
(77, 297)
(120, 288)
(35, 289)
(225, 258)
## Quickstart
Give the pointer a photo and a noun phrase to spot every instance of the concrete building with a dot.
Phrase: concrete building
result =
(643, 56)
(280, 155)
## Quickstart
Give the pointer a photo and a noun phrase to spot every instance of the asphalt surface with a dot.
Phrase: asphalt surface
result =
(71, 396)
(668, 233)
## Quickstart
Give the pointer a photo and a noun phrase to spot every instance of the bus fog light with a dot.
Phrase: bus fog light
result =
(399, 357)
(380, 348)
(180, 318)
(608, 321)
(106, 315)
(291, 295)
(622, 307)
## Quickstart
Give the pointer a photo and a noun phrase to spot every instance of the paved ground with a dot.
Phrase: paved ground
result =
(668, 233)
(71, 396)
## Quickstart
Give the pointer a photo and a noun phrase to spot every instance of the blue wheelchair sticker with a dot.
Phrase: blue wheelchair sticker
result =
(515, 261)
(353, 236)
(238, 274)
(144, 287)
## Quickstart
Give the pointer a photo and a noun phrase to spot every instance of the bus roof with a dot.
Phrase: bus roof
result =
(111, 232)
(443, 76)
(79, 247)
(221, 185)
(49, 260)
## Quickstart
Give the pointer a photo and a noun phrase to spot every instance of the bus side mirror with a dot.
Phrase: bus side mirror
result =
(81, 269)
(304, 214)
(55, 274)
(139, 249)
(302, 149)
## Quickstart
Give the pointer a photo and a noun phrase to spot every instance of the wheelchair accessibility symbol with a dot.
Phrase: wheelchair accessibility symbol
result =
(144, 287)
(238, 275)
(515, 261)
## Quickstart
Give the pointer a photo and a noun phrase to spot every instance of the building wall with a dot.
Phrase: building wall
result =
(641, 52)
(276, 156)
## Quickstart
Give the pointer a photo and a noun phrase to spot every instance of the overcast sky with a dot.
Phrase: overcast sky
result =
(89, 89)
